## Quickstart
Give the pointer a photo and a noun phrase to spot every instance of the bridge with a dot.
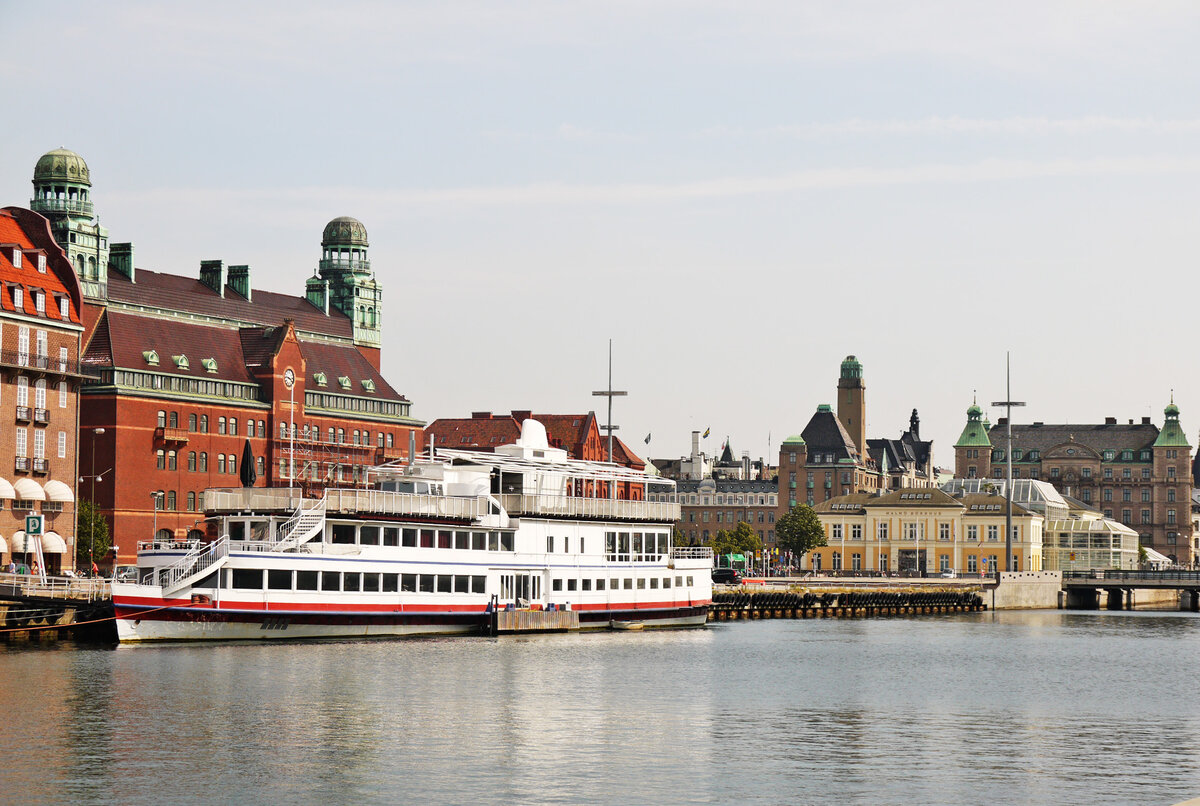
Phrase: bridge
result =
(1083, 588)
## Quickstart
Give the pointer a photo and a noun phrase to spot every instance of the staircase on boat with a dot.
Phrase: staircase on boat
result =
(306, 522)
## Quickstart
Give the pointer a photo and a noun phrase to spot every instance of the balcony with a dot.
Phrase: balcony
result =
(41, 416)
(40, 465)
(166, 434)
(44, 363)
(345, 264)
(74, 206)
(24, 414)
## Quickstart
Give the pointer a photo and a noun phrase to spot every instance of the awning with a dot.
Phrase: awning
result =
(3, 545)
(736, 558)
(57, 491)
(52, 543)
(29, 490)
(6, 490)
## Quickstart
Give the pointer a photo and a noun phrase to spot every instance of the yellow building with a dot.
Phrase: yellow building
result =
(924, 529)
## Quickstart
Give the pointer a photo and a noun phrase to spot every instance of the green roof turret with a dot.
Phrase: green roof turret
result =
(61, 165)
(794, 439)
(1171, 435)
(852, 367)
(975, 434)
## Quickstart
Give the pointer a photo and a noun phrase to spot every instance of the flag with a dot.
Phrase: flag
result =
(647, 439)
(706, 430)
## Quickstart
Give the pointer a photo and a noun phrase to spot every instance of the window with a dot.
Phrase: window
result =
(1145, 516)
(1085, 472)
(162, 419)
(1107, 494)
(170, 460)
(62, 394)
(250, 428)
(1146, 473)
(1171, 517)
(18, 295)
(231, 462)
(220, 425)
(203, 462)
(1170, 495)
(220, 462)
(39, 393)
(171, 500)
(21, 444)
(62, 444)
(64, 308)
(882, 530)
(972, 533)
(203, 423)
(160, 460)
(233, 426)
(191, 465)
(191, 502)
(993, 533)
(943, 531)
(836, 531)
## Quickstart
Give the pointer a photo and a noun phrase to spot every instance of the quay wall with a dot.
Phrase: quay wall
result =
(1024, 590)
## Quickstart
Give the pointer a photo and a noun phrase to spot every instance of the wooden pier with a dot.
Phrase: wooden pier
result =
(741, 604)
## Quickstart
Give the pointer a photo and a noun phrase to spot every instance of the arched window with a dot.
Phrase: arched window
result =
(171, 501)
(233, 426)
(191, 422)
(203, 461)
(192, 461)
(220, 463)
(232, 463)
(191, 505)
(163, 535)
(174, 419)
(262, 466)
(195, 534)
(171, 464)
(162, 419)
(203, 423)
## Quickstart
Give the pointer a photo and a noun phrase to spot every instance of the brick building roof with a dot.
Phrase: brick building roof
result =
(1105, 436)
(174, 292)
(19, 227)
(484, 431)
(826, 434)
(343, 360)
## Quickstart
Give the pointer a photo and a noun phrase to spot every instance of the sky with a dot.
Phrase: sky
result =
(737, 194)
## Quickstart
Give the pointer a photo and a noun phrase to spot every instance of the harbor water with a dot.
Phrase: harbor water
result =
(1010, 707)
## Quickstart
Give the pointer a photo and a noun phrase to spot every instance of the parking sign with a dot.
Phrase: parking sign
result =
(33, 525)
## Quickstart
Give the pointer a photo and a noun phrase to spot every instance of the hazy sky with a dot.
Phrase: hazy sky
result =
(737, 193)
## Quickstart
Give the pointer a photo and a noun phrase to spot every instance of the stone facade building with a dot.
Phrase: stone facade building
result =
(1135, 472)
(709, 505)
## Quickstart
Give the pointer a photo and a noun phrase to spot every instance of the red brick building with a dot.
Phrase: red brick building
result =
(578, 434)
(40, 333)
(191, 379)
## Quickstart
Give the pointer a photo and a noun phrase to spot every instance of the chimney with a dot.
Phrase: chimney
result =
(239, 280)
(120, 260)
(481, 415)
(695, 445)
(1110, 420)
(212, 274)
(522, 415)
(412, 447)
(1145, 421)
(1001, 421)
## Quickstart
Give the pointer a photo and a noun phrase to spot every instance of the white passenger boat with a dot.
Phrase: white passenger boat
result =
(434, 546)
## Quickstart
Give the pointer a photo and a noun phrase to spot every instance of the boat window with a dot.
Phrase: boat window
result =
(370, 582)
(628, 584)
(279, 580)
(679, 582)
(410, 538)
(247, 578)
(572, 584)
(408, 583)
(391, 536)
(599, 584)
(662, 544)
(351, 581)
(493, 541)
(610, 546)
(666, 582)
(259, 530)
(331, 581)
(623, 547)
(641, 584)
(445, 583)
(462, 540)
(391, 583)
(237, 530)
(343, 533)
(689, 582)
(506, 541)
(479, 541)
(566, 545)
(445, 539)
(425, 583)
(549, 544)
(587, 584)
(556, 585)
(426, 538)
(654, 583)
(462, 584)
(209, 581)
(306, 580)
(368, 535)
(637, 545)
(479, 584)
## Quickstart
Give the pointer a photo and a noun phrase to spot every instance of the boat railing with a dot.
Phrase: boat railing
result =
(345, 501)
(692, 552)
(193, 564)
(599, 508)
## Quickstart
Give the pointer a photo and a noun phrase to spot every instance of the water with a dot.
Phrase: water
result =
(1039, 707)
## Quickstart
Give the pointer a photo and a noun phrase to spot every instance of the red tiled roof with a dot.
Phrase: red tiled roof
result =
(130, 335)
(623, 455)
(485, 431)
(28, 276)
(177, 293)
(336, 360)
(473, 432)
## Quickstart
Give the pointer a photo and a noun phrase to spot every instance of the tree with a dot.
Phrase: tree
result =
(800, 531)
(677, 539)
(740, 540)
(91, 538)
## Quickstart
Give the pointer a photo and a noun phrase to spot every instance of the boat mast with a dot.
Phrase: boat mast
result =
(610, 394)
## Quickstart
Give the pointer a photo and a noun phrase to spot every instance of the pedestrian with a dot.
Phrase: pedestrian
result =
(35, 568)
(95, 569)
(12, 567)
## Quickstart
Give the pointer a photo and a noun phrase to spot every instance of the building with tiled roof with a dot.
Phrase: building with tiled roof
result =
(832, 456)
(203, 381)
(706, 506)
(40, 337)
(1133, 472)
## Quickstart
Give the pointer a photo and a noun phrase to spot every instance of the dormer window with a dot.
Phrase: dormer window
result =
(64, 307)
(319, 379)
(344, 382)
(39, 301)
(209, 364)
(181, 361)
(18, 296)
(151, 357)
(16, 257)
(41, 262)
(369, 385)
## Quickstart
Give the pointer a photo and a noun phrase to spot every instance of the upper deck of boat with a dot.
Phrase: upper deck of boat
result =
(370, 502)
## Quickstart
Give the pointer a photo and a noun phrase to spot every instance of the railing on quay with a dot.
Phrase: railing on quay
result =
(87, 589)
(1114, 575)
(599, 508)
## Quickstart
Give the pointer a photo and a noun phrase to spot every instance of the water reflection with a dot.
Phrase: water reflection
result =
(1042, 707)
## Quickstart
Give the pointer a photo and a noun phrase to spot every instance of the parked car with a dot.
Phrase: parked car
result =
(126, 573)
(726, 576)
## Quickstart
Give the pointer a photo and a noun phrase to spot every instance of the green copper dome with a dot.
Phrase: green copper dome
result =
(975, 434)
(852, 367)
(1171, 410)
(343, 231)
(1172, 435)
(794, 439)
(974, 411)
(61, 165)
